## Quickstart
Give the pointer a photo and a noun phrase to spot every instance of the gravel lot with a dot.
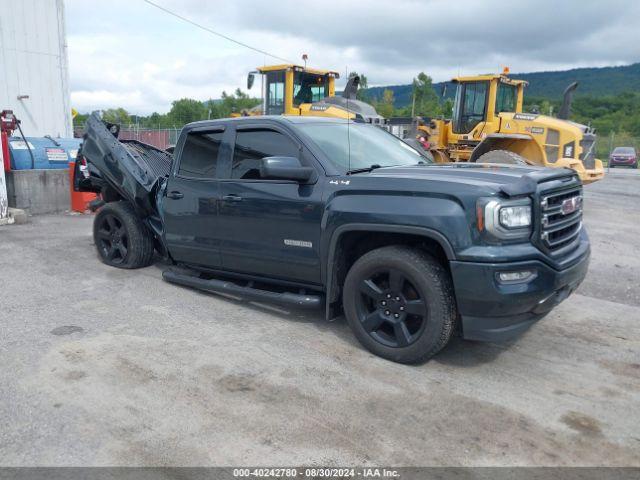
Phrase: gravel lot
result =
(101, 366)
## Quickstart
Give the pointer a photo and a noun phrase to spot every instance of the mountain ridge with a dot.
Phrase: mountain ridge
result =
(593, 81)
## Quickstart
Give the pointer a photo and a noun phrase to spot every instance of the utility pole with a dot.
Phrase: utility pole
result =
(413, 101)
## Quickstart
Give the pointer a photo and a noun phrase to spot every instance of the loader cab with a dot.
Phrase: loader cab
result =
(286, 87)
(480, 99)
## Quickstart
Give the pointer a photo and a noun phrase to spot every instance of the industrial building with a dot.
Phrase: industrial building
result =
(35, 108)
(34, 78)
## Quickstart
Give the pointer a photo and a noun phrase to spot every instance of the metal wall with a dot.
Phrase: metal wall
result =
(34, 80)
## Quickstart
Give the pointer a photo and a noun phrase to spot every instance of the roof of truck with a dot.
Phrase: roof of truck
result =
(296, 119)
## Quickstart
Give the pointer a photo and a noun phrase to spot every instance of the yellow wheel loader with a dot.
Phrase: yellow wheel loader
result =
(296, 90)
(488, 126)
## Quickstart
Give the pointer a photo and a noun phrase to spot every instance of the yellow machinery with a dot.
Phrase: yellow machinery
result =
(295, 90)
(488, 126)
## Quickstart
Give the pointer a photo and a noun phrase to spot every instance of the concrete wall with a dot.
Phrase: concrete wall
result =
(39, 191)
(34, 78)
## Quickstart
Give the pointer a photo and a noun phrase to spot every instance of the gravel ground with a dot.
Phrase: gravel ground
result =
(101, 366)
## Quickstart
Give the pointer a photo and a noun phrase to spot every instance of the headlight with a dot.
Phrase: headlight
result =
(503, 220)
(515, 217)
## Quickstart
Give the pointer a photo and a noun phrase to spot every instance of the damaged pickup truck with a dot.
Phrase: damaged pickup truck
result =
(316, 212)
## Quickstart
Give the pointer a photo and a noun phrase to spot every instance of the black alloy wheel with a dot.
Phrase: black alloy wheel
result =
(112, 238)
(390, 308)
(399, 303)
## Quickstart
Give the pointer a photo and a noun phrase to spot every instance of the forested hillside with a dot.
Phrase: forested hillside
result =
(595, 82)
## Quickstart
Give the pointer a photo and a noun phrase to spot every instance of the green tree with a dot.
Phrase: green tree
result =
(385, 107)
(362, 93)
(426, 101)
(186, 110)
(235, 103)
(80, 119)
(116, 115)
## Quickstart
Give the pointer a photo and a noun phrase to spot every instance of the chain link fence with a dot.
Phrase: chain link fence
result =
(162, 138)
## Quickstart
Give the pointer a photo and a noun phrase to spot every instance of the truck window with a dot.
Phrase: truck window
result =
(359, 145)
(506, 98)
(199, 156)
(254, 145)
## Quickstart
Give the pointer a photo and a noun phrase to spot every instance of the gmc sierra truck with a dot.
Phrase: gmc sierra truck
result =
(321, 212)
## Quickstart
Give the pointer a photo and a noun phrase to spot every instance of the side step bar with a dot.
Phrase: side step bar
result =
(249, 293)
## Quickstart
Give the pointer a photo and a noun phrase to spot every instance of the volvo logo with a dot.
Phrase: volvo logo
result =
(571, 205)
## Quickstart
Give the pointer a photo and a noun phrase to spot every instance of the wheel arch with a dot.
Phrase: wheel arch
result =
(523, 145)
(344, 249)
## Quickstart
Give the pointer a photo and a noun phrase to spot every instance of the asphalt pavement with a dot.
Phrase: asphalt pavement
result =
(101, 366)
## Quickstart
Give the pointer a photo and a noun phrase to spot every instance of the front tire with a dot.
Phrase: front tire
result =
(502, 156)
(122, 240)
(399, 303)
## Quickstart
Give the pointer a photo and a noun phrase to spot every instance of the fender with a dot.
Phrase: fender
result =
(374, 227)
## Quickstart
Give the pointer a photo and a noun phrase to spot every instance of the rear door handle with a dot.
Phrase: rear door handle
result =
(175, 195)
(232, 198)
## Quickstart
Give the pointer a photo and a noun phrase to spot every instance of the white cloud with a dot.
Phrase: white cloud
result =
(141, 58)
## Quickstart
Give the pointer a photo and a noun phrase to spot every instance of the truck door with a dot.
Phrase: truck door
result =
(269, 227)
(190, 205)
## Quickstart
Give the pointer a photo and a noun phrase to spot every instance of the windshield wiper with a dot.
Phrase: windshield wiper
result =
(364, 169)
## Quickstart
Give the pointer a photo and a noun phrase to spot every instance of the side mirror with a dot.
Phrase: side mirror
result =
(284, 168)
(250, 79)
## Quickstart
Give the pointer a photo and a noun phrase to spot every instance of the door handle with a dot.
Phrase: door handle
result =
(175, 195)
(232, 198)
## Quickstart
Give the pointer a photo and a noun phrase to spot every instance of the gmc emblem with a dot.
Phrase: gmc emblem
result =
(571, 205)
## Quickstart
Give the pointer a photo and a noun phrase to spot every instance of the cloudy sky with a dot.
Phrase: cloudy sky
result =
(128, 53)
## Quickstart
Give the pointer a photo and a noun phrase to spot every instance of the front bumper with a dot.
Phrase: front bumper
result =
(494, 311)
(622, 163)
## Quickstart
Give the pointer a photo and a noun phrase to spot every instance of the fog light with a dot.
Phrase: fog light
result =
(519, 276)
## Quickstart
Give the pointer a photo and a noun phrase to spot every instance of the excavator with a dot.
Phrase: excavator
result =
(489, 126)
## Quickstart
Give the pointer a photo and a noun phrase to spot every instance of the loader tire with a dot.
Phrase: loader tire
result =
(502, 156)
(122, 240)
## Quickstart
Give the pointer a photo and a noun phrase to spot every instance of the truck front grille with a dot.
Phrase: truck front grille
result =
(560, 220)
(588, 155)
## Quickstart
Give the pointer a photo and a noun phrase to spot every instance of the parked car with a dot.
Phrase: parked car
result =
(623, 156)
(317, 212)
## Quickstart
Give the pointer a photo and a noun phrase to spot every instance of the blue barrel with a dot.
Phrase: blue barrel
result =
(48, 153)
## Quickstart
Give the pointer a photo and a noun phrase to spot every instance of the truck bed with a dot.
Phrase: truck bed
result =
(132, 168)
(157, 163)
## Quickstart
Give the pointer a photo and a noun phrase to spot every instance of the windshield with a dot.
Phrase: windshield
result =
(369, 145)
(624, 150)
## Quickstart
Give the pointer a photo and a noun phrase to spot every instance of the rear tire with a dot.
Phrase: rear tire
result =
(399, 303)
(122, 240)
(502, 156)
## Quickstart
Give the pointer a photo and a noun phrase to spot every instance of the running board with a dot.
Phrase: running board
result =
(249, 293)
